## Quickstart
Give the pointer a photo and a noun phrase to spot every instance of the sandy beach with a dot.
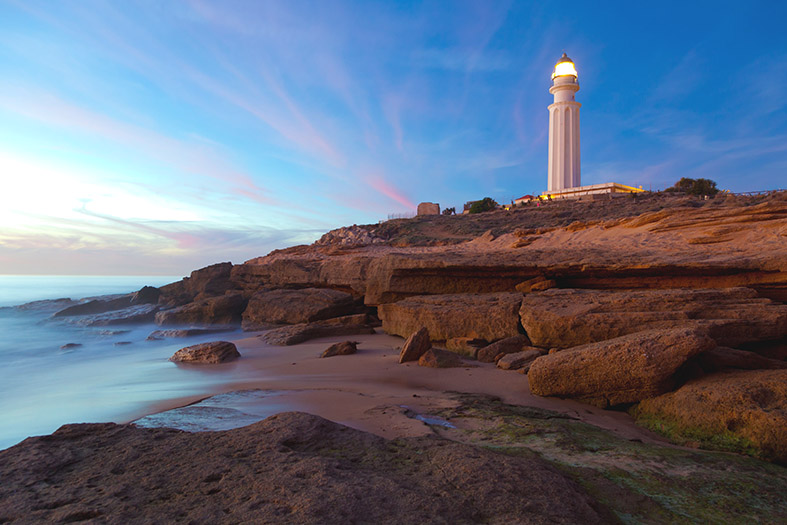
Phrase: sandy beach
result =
(371, 391)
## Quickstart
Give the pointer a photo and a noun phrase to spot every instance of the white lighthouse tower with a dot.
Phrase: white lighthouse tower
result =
(564, 128)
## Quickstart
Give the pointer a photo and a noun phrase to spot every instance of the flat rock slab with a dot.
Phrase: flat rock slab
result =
(479, 316)
(289, 468)
(207, 353)
(141, 313)
(298, 333)
(297, 306)
(748, 405)
(566, 318)
(626, 369)
(188, 332)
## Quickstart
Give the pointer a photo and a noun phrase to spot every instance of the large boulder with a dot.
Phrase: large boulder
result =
(296, 306)
(626, 369)
(739, 410)
(509, 345)
(207, 353)
(298, 333)
(415, 346)
(483, 316)
(564, 318)
(225, 309)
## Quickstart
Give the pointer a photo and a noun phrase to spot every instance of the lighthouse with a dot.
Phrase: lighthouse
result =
(564, 128)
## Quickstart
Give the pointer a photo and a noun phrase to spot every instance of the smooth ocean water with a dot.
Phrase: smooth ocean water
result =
(43, 386)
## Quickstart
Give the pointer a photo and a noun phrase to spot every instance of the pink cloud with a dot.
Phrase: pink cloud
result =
(377, 182)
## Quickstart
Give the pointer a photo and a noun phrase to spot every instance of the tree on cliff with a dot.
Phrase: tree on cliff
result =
(485, 204)
(694, 186)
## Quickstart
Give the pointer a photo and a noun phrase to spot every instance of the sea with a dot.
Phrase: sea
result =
(54, 372)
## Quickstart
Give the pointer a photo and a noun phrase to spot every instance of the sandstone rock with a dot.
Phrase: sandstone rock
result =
(482, 316)
(543, 285)
(211, 281)
(519, 360)
(343, 348)
(722, 357)
(436, 358)
(297, 306)
(224, 309)
(415, 346)
(565, 318)
(146, 295)
(748, 405)
(526, 286)
(467, 346)
(509, 345)
(187, 332)
(96, 306)
(626, 369)
(289, 468)
(298, 333)
(207, 353)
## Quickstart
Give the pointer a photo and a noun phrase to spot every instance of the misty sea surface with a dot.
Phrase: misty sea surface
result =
(113, 375)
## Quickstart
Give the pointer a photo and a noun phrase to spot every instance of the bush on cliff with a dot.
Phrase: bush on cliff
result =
(485, 204)
(694, 186)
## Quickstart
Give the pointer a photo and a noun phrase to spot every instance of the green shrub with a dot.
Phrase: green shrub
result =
(485, 204)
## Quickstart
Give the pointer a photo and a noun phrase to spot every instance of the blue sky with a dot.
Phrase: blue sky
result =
(153, 137)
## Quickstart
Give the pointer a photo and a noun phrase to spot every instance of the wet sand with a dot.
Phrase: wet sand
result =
(371, 391)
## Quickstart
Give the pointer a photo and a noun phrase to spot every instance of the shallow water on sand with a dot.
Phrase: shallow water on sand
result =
(113, 375)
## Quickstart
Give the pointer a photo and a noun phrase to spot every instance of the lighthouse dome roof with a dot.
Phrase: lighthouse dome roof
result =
(564, 67)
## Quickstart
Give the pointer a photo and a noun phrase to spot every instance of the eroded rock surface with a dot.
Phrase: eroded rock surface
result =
(297, 306)
(436, 358)
(207, 353)
(223, 310)
(567, 318)
(290, 468)
(626, 369)
(483, 316)
(748, 405)
(519, 360)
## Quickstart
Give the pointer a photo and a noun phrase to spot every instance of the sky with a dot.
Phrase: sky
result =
(156, 137)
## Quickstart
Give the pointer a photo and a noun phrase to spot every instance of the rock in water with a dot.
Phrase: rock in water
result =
(415, 346)
(297, 306)
(509, 345)
(435, 358)
(482, 316)
(622, 370)
(748, 406)
(343, 348)
(207, 353)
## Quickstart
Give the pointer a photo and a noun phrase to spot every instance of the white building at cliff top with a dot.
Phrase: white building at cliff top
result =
(563, 179)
